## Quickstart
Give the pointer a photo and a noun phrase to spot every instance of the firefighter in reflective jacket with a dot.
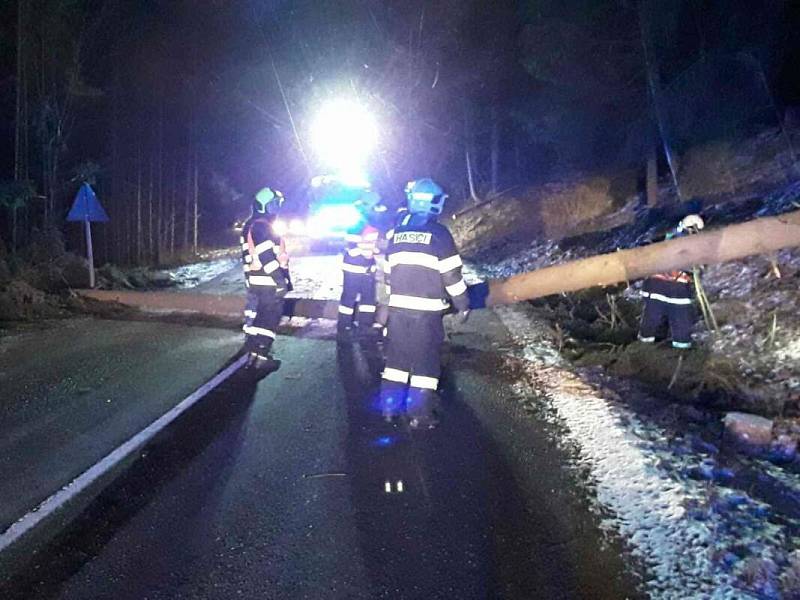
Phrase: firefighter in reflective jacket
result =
(668, 296)
(266, 278)
(358, 302)
(423, 272)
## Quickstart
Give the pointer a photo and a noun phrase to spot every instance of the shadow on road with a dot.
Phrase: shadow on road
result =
(439, 512)
(213, 426)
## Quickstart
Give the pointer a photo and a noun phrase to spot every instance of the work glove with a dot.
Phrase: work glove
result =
(288, 279)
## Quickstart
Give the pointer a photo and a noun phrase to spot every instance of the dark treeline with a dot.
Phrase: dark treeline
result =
(177, 110)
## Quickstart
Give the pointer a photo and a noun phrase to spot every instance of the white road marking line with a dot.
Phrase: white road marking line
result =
(52, 504)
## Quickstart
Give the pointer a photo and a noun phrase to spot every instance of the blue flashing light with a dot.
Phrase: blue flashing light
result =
(384, 441)
(331, 218)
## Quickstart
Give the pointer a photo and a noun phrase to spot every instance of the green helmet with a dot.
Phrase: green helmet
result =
(267, 202)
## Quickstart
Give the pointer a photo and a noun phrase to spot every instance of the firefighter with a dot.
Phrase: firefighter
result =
(358, 302)
(423, 279)
(266, 279)
(668, 296)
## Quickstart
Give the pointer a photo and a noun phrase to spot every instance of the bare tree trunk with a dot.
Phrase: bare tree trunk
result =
(187, 202)
(139, 206)
(172, 198)
(150, 248)
(13, 229)
(18, 125)
(652, 80)
(467, 139)
(495, 152)
(651, 177)
(470, 180)
(195, 199)
(759, 236)
(160, 211)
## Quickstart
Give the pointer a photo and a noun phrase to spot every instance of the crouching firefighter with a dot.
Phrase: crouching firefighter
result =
(668, 296)
(423, 271)
(358, 303)
(266, 279)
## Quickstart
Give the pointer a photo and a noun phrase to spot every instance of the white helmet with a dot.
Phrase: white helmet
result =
(691, 223)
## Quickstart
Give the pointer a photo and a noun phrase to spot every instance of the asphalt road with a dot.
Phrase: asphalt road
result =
(72, 390)
(293, 487)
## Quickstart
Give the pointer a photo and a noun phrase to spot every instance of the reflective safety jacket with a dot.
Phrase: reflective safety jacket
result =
(263, 254)
(401, 214)
(423, 268)
(360, 251)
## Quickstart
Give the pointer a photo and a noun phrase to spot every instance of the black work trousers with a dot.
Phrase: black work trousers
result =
(668, 301)
(359, 300)
(413, 362)
(263, 311)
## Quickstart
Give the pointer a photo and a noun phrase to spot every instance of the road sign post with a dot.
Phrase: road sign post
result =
(87, 208)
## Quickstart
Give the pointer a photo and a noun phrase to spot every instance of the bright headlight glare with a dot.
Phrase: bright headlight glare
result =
(344, 133)
(279, 227)
(297, 227)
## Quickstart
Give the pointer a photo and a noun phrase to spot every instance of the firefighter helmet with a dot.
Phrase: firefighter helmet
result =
(267, 201)
(691, 223)
(425, 197)
(369, 201)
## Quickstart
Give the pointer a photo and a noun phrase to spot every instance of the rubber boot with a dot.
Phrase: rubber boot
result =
(262, 362)
(392, 400)
(422, 407)
(344, 330)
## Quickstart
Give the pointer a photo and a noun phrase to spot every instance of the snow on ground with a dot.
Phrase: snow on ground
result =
(318, 277)
(197, 274)
(695, 536)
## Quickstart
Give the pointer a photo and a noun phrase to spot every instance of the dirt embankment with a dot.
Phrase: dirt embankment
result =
(750, 363)
(38, 282)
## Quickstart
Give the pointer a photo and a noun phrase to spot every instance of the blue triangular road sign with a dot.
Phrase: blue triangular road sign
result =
(86, 206)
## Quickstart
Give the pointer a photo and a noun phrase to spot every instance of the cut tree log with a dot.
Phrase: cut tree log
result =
(760, 236)
(217, 305)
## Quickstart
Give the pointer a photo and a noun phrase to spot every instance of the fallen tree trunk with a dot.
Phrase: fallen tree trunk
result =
(217, 305)
(735, 241)
(759, 236)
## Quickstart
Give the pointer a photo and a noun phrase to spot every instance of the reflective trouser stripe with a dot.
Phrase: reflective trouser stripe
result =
(355, 269)
(426, 383)
(416, 303)
(250, 313)
(395, 375)
(252, 330)
(457, 288)
(681, 344)
(667, 299)
(264, 280)
(345, 310)
(367, 308)
(647, 340)
(353, 252)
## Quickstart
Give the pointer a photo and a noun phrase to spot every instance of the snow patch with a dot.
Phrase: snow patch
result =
(694, 538)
